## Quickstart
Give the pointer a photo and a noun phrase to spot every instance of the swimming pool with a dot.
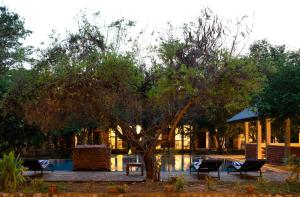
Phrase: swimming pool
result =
(172, 163)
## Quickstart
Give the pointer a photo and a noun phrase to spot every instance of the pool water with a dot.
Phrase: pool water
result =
(171, 163)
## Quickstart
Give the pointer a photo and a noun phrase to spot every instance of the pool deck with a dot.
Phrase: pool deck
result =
(87, 176)
(83, 176)
(270, 173)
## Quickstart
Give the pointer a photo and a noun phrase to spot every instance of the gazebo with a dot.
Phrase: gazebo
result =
(273, 152)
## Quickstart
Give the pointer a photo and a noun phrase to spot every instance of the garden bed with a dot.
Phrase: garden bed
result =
(238, 188)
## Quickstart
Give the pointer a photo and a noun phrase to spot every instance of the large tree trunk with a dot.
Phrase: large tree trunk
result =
(149, 162)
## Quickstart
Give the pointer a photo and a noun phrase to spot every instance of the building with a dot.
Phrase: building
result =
(264, 145)
(182, 139)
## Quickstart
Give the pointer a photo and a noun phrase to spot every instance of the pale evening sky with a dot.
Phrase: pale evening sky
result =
(275, 20)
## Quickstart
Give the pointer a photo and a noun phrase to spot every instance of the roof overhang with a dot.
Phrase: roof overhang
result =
(245, 115)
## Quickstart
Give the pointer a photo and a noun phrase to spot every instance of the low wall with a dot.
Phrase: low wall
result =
(251, 151)
(295, 150)
(89, 158)
(275, 153)
(202, 194)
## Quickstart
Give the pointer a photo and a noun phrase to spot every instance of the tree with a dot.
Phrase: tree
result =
(280, 96)
(105, 87)
(15, 133)
(209, 74)
(267, 57)
(12, 31)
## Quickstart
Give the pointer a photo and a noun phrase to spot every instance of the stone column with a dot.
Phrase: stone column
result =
(259, 140)
(287, 137)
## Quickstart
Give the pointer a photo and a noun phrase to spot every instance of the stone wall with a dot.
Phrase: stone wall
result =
(251, 151)
(202, 194)
(91, 157)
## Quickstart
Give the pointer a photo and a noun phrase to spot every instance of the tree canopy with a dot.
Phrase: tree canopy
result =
(280, 96)
(12, 32)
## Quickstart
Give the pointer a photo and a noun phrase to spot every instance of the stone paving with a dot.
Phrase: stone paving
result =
(269, 172)
(80, 176)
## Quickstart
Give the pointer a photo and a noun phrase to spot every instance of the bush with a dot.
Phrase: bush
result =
(250, 189)
(180, 183)
(294, 163)
(39, 185)
(11, 170)
(122, 188)
(210, 183)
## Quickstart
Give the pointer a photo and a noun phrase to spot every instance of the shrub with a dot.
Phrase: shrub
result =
(250, 189)
(262, 181)
(209, 182)
(180, 183)
(122, 188)
(11, 170)
(39, 185)
(294, 162)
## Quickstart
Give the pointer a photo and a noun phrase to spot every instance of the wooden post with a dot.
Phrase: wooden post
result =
(268, 134)
(239, 142)
(268, 131)
(246, 137)
(287, 137)
(299, 135)
(207, 140)
(246, 132)
(259, 140)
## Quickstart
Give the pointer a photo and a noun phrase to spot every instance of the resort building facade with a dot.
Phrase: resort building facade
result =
(183, 139)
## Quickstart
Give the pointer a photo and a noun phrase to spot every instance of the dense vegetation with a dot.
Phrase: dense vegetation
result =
(96, 78)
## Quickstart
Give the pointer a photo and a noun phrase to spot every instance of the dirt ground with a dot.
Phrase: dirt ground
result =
(138, 187)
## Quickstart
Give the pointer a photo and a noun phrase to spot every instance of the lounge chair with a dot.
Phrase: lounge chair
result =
(209, 165)
(247, 166)
(37, 165)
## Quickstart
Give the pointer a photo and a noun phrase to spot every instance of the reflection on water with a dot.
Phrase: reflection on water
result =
(118, 162)
(168, 162)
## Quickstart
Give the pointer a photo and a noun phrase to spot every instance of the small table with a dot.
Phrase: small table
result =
(140, 165)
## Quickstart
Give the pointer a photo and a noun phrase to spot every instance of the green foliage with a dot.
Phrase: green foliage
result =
(39, 185)
(210, 183)
(250, 189)
(267, 56)
(280, 97)
(180, 183)
(12, 31)
(294, 163)
(11, 170)
(122, 188)
(15, 132)
(262, 181)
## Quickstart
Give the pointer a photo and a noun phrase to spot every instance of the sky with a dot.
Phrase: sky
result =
(274, 20)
